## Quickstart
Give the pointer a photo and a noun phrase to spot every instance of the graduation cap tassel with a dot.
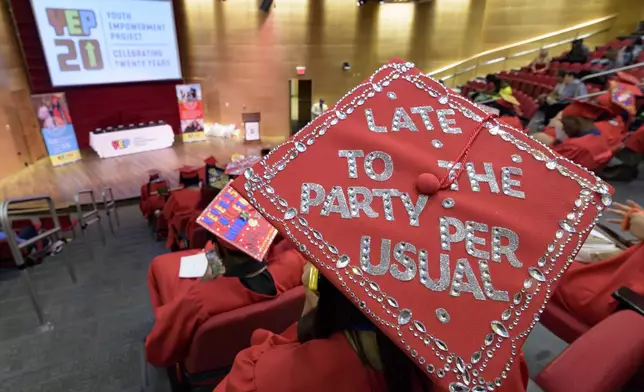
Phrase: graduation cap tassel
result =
(459, 163)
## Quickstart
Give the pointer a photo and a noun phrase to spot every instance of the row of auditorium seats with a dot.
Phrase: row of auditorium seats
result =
(128, 126)
(527, 86)
(44, 223)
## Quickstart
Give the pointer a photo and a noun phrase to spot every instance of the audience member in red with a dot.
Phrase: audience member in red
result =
(182, 203)
(541, 63)
(207, 195)
(182, 305)
(150, 200)
(337, 349)
(585, 291)
(635, 141)
(577, 138)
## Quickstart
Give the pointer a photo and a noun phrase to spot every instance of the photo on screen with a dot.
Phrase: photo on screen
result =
(188, 126)
(88, 42)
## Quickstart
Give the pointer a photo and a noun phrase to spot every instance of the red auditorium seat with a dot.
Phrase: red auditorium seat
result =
(66, 223)
(558, 321)
(604, 359)
(198, 238)
(19, 224)
(217, 341)
(554, 67)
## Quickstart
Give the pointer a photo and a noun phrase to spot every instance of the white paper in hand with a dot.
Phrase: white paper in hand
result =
(194, 266)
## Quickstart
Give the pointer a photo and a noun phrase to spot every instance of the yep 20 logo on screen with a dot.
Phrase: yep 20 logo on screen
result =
(74, 23)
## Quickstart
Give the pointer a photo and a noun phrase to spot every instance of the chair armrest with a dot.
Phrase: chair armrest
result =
(603, 359)
(629, 300)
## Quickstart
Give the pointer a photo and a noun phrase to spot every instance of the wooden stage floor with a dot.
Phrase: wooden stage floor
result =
(123, 174)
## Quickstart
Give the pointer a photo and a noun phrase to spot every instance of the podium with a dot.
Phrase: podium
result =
(251, 127)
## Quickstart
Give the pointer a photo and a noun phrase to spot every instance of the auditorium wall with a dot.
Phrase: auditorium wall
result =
(244, 58)
(20, 141)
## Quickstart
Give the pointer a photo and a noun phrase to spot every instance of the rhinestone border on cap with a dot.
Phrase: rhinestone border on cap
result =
(351, 278)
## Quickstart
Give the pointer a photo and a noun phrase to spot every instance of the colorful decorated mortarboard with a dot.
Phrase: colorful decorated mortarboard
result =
(446, 227)
(237, 224)
(625, 95)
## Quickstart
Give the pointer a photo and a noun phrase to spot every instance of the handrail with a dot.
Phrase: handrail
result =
(16, 248)
(612, 71)
(109, 204)
(89, 217)
(477, 56)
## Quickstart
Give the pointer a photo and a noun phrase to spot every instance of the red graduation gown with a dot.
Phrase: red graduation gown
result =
(585, 290)
(182, 305)
(636, 141)
(613, 131)
(280, 363)
(181, 202)
(590, 151)
(150, 203)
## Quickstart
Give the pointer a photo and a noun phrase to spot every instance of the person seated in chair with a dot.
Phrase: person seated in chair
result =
(149, 202)
(182, 201)
(334, 347)
(585, 291)
(576, 136)
(233, 280)
(569, 87)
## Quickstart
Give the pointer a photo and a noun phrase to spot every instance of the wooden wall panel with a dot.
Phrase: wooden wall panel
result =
(20, 140)
(244, 58)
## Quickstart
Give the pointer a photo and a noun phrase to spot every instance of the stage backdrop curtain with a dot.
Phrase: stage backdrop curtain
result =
(94, 107)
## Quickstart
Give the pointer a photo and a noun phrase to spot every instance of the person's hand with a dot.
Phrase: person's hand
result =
(215, 268)
(543, 138)
(636, 219)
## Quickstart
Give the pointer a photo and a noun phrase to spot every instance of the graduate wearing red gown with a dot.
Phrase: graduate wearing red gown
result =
(148, 203)
(182, 305)
(410, 293)
(581, 141)
(586, 291)
(181, 204)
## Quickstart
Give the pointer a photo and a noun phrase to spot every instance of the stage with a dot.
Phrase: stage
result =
(123, 174)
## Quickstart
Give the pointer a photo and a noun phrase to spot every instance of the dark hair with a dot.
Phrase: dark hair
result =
(188, 182)
(336, 313)
(265, 151)
(207, 195)
(571, 73)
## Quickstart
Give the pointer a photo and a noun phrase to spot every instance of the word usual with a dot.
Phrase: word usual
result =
(79, 23)
(458, 278)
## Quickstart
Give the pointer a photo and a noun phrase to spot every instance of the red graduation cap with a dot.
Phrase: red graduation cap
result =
(627, 78)
(624, 95)
(210, 161)
(447, 228)
(187, 171)
(584, 109)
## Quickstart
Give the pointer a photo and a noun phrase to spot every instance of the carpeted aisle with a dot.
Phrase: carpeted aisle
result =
(99, 323)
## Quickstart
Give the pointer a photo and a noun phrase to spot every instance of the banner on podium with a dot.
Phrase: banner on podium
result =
(56, 128)
(233, 220)
(191, 112)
